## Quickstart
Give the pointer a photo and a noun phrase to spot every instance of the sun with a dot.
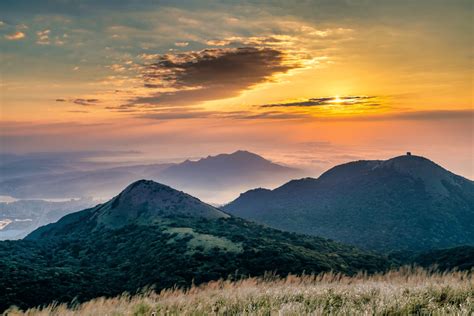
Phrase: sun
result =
(337, 99)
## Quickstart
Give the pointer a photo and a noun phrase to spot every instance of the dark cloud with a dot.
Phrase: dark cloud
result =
(85, 101)
(80, 101)
(123, 108)
(217, 66)
(211, 74)
(186, 113)
(177, 115)
(346, 100)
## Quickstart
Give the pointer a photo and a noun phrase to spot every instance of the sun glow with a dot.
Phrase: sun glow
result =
(337, 99)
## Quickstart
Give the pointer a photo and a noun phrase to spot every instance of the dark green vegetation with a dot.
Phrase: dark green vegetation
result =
(406, 203)
(153, 235)
(457, 258)
(440, 260)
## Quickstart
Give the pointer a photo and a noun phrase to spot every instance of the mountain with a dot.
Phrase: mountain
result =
(153, 235)
(141, 203)
(215, 179)
(404, 203)
(220, 178)
(233, 167)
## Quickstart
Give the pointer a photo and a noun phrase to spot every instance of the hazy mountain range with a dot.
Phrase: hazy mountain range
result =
(215, 179)
(404, 203)
(151, 234)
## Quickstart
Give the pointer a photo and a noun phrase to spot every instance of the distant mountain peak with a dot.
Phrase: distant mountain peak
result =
(242, 152)
(239, 154)
(220, 178)
(238, 163)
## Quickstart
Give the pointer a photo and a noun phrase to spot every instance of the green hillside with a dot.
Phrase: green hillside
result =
(168, 238)
(406, 203)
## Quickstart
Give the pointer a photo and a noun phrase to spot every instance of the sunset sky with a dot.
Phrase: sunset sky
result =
(305, 83)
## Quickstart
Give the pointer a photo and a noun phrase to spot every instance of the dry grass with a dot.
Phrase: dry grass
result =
(406, 291)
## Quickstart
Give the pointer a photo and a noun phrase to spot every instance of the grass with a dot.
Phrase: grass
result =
(407, 291)
(204, 241)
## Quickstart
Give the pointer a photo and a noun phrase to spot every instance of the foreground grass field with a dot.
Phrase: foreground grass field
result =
(406, 291)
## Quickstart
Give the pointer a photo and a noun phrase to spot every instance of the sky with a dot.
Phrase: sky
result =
(304, 83)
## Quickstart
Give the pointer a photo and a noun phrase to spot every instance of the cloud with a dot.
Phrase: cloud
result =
(78, 111)
(177, 115)
(181, 44)
(85, 101)
(322, 101)
(272, 115)
(15, 36)
(218, 42)
(210, 74)
(43, 37)
(275, 40)
(80, 101)
(187, 113)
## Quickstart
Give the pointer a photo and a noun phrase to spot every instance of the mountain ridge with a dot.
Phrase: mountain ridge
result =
(373, 204)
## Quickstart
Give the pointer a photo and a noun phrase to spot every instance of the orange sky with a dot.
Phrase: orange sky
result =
(311, 84)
